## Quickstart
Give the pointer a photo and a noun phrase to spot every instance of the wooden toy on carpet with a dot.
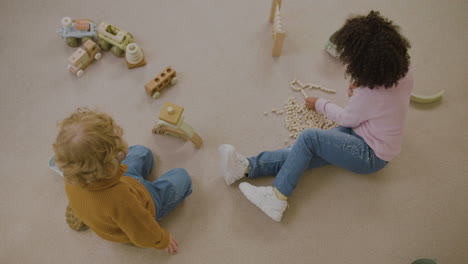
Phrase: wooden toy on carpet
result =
(73, 221)
(155, 85)
(75, 30)
(171, 122)
(82, 57)
(134, 56)
(113, 38)
(278, 32)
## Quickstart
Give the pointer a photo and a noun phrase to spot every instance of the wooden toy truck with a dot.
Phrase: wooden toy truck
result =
(82, 57)
(113, 38)
(74, 30)
(155, 85)
(171, 122)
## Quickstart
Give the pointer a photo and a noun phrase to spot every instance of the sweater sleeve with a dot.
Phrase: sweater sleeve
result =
(140, 226)
(351, 116)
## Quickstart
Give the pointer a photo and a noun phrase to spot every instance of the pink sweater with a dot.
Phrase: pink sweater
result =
(377, 115)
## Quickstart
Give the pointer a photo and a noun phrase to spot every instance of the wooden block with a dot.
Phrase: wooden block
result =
(160, 81)
(278, 43)
(171, 117)
(82, 24)
(90, 46)
(76, 56)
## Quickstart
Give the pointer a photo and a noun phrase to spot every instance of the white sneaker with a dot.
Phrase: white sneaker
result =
(233, 163)
(265, 199)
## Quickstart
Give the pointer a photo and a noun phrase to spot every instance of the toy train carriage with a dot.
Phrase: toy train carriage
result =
(82, 57)
(155, 85)
(74, 30)
(113, 38)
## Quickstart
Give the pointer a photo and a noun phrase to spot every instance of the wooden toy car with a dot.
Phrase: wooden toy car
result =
(171, 122)
(155, 85)
(113, 38)
(74, 30)
(82, 57)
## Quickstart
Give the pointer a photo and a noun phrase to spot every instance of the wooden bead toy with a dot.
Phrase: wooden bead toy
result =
(171, 122)
(155, 85)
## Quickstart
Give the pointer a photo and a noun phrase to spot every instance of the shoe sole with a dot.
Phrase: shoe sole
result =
(225, 163)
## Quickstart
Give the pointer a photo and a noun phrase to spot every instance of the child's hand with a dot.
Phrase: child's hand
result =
(310, 103)
(173, 246)
(351, 89)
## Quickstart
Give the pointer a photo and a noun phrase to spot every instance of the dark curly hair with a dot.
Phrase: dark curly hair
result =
(373, 50)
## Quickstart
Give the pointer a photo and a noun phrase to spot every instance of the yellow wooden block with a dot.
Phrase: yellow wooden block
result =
(171, 113)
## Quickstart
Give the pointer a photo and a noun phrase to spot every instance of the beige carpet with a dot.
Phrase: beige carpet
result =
(416, 207)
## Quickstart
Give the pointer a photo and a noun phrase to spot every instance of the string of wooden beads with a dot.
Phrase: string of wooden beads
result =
(297, 86)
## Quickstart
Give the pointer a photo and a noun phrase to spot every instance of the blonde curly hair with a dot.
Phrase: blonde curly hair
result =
(88, 147)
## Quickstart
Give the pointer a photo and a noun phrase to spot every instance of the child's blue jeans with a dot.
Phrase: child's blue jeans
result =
(168, 190)
(315, 148)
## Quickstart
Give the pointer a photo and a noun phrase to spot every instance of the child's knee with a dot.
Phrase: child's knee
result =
(183, 176)
(307, 134)
(141, 151)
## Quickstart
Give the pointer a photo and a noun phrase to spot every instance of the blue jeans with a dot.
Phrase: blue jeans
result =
(315, 148)
(168, 190)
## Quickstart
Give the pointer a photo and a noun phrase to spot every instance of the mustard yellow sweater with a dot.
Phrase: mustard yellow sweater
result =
(119, 210)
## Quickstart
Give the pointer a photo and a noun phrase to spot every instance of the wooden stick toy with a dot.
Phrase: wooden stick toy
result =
(171, 122)
(278, 32)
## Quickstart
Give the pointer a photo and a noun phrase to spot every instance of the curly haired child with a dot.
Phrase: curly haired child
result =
(377, 62)
(106, 184)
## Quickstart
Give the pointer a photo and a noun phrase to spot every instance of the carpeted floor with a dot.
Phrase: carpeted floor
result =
(415, 207)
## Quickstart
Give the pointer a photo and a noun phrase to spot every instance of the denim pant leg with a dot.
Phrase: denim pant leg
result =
(139, 160)
(341, 147)
(169, 190)
(269, 163)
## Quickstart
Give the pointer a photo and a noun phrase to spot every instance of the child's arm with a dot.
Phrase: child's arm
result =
(350, 116)
(140, 226)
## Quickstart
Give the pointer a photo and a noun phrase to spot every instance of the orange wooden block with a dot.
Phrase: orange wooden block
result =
(82, 24)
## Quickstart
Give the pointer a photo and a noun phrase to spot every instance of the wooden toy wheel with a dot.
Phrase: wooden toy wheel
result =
(84, 39)
(72, 42)
(117, 51)
(73, 221)
(174, 80)
(79, 73)
(156, 95)
(104, 45)
(98, 56)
